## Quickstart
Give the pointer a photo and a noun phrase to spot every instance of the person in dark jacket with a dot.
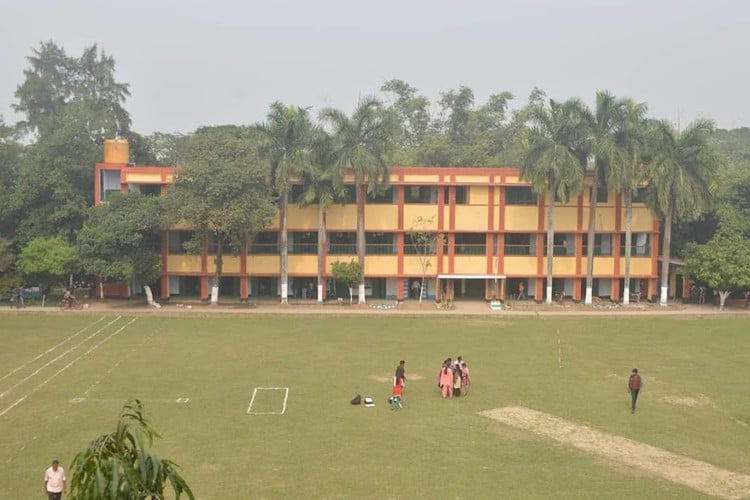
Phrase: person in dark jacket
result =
(635, 382)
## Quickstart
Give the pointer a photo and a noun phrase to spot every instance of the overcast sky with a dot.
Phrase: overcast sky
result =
(192, 63)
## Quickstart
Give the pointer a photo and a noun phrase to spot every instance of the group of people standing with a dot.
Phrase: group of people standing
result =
(453, 378)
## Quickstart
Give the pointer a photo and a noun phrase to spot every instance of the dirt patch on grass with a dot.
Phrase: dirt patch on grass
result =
(699, 400)
(700, 476)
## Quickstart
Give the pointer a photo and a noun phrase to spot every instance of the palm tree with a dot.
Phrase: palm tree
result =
(361, 143)
(287, 135)
(681, 171)
(551, 161)
(321, 187)
(602, 149)
(628, 175)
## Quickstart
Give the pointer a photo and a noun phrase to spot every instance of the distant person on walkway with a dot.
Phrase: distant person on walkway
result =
(399, 378)
(445, 380)
(54, 481)
(521, 291)
(415, 289)
(635, 382)
(465, 379)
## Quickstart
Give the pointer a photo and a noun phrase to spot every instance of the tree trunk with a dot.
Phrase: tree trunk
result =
(591, 237)
(361, 239)
(219, 261)
(283, 204)
(101, 288)
(628, 244)
(723, 296)
(550, 244)
(665, 244)
(321, 249)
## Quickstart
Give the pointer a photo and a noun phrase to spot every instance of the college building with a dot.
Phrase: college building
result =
(491, 242)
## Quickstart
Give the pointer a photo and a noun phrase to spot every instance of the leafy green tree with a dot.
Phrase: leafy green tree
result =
(682, 167)
(362, 143)
(287, 145)
(169, 149)
(221, 193)
(350, 273)
(121, 466)
(118, 240)
(70, 105)
(412, 113)
(46, 260)
(723, 264)
(551, 160)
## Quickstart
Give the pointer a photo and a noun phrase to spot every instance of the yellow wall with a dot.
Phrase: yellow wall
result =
(342, 218)
(566, 219)
(413, 212)
(183, 264)
(302, 218)
(479, 195)
(132, 178)
(470, 264)
(302, 264)
(603, 266)
(412, 266)
(643, 219)
(471, 218)
(230, 264)
(381, 217)
(519, 265)
(264, 264)
(562, 265)
(520, 218)
(605, 218)
(421, 179)
(381, 265)
(640, 266)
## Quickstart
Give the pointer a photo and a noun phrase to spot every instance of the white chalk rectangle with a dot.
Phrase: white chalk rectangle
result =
(270, 401)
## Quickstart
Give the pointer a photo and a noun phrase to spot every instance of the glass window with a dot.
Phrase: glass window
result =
(420, 194)
(385, 197)
(520, 195)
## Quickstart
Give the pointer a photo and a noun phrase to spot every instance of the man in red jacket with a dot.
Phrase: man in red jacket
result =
(635, 382)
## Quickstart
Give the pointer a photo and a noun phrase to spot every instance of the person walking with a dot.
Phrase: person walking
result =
(635, 382)
(445, 380)
(399, 378)
(55, 481)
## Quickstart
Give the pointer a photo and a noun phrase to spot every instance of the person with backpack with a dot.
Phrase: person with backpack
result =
(635, 382)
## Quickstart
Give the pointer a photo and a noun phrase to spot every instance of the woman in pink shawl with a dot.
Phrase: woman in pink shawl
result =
(445, 381)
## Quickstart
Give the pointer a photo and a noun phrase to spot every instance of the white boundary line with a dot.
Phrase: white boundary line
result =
(252, 399)
(58, 372)
(2, 394)
(50, 349)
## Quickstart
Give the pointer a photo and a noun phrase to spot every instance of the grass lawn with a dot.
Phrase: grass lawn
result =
(61, 387)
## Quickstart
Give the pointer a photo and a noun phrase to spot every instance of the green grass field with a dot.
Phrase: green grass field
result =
(62, 387)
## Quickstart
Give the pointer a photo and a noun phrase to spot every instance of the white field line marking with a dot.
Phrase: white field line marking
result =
(50, 349)
(58, 357)
(695, 474)
(252, 399)
(58, 372)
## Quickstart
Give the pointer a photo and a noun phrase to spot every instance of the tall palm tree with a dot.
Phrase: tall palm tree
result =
(681, 171)
(362, 143)
(628, 175)
(286, 143)
(321, 187)
(603, 154)
(551, 161)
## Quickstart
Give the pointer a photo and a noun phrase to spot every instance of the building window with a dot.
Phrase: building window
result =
(471, 244)
(296, 193)
(563, 244)
(385, 198)
(520, 195)
(420, 194)
(340, 243)
(265, 243)
(640, 195)
(602, 244)
(520, 244)
(177, 240)
(380, 243)
(303, 242)
(639, 245)
(462, 195)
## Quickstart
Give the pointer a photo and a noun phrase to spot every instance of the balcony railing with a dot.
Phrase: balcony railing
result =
(304, 248)
(598, 250)
(520, 250)
(471, 249)
(560, 250)
(264, 249)
(412, 250)
(637, 251)
(342, 248)
(380, 249)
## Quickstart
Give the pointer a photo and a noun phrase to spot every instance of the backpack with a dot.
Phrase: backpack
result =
(635, 382)
(357, 400)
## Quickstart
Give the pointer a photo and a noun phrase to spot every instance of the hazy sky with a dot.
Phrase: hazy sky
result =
(193, 63)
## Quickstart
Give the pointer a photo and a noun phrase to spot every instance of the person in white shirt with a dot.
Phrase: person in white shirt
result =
(54, 481)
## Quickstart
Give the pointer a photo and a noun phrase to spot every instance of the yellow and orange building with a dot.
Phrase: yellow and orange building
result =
(492, 227)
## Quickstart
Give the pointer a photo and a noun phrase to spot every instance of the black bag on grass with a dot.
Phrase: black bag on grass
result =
(357, 400)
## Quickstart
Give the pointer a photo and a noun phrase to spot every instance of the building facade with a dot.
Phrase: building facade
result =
(491, 239)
